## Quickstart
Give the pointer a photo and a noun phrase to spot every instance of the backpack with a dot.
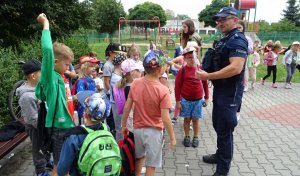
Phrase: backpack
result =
(44, 138)
(126, 146)
(120, 99)
(268, 59)
(73, 90)
(99, 154)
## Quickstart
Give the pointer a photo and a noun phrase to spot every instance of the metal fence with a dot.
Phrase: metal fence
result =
(284, 37)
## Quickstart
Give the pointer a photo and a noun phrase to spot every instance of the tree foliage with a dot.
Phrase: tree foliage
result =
(147, 11)
(182, 17)
(211, 10)
(18, 18)
(106, 15)
(292, 12)
(170, 14)
(281, 26)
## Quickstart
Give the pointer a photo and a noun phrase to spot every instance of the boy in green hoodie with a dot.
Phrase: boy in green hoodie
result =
(53, 88)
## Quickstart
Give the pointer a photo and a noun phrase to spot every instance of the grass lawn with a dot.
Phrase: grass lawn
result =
(99, 48)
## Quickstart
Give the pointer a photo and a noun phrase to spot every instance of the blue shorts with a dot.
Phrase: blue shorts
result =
(191, 108)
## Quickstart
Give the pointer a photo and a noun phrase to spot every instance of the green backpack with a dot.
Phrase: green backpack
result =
(99, 154)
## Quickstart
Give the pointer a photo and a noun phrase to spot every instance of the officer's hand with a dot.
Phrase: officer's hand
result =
(202, 75)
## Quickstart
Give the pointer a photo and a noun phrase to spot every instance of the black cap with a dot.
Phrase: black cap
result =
(31, 66)
(226, 11)
(113, 47)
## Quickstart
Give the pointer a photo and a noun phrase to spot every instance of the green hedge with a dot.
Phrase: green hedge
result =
(10, 71)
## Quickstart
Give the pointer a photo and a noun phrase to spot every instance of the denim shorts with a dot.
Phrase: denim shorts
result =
(191, 109)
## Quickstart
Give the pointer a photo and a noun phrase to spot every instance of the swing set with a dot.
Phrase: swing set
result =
(135, 31)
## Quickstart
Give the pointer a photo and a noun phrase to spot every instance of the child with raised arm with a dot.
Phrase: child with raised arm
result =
(53, 88)
(150, 115)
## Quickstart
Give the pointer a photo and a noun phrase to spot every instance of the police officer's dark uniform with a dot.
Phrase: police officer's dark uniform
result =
(227, 96)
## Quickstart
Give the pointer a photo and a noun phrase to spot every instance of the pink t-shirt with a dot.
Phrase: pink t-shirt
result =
(149, 97)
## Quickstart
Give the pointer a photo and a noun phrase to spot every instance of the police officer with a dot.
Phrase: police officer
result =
(228, 87)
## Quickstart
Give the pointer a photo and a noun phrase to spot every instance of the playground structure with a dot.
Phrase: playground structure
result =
(139, 31)
(243, 7)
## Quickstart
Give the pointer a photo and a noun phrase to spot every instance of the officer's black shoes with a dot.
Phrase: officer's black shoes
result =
(217, 174)
(210, 159)
(187, 141)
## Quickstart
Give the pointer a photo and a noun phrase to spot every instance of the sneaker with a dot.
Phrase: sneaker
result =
(187, 141)
(43, 174)
(210, 159)
(49, 165)
(174, 120)
(262, 82)
(274, 85)
(286, 86)
(195, 142)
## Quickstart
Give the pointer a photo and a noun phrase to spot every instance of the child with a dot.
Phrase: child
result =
(151, 45)
(98, 81)
(29, 111)
(85, 81)
(272, 57)
(150, 115)
(130, 71)
(115, 77)
(189, 96)
(96, 109)
(111, 50)
(252, 62)
(53, 86)
(290, 60)
(135, 54)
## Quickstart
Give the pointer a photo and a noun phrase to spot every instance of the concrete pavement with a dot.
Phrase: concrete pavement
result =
(266, 140)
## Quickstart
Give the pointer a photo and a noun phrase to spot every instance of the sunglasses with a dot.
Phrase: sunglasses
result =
(222, 20)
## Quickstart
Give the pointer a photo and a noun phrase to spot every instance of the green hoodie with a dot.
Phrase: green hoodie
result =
(49, 82)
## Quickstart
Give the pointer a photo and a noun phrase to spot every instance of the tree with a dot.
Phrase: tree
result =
(18, 18)
(106, 15)
(182, 17)
(292, 12)
(211, 10)
(170, 14)
(147, 11)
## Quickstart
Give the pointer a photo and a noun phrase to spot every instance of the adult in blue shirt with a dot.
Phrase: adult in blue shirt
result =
(228, 87)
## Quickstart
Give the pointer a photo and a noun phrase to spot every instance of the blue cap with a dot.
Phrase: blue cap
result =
(95, 104)
(153, 59)
(226, 11)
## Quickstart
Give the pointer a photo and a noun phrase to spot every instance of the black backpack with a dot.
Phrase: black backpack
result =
(44, 137)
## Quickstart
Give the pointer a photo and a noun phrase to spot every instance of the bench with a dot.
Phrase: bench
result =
(8, 146)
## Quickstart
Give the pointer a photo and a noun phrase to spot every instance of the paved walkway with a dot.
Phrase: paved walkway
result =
(266, 140)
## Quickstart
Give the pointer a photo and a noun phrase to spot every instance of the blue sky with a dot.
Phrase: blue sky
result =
(269, 10)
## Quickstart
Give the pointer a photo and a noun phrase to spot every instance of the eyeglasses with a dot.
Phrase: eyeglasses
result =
(222, 20)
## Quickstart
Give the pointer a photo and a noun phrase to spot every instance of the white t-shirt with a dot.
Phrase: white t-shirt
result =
(99, 82)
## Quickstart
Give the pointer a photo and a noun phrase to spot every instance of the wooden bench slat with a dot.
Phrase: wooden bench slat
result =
(7, 146)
